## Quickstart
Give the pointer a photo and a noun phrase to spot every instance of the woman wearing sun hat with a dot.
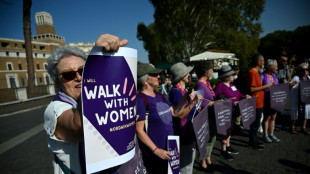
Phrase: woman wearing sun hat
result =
(226, 89)
(183, 125)
(153, 136)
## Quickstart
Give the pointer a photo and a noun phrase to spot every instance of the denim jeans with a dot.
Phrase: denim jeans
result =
(254, 127)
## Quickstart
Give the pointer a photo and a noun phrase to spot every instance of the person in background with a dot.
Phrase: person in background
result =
(256, 89)
(63, 116)
(183, 125)
(297, 107)
(204, 71)
(163, 83)
(283, 73)
(227, 90)
(269, 77)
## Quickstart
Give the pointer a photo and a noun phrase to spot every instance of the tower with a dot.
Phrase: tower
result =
(44, 23)
(45, 29)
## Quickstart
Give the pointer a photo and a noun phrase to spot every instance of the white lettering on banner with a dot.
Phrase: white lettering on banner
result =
(116, 116)
(104, 91)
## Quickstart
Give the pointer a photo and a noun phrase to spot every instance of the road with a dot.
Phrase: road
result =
(23, 144)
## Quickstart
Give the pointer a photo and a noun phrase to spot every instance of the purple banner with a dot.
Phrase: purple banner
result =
(135, 165)
(223, 112)
(305, 91)
(248, 111)
(201, 128)
(279, 96)
(173, 149)
(108, 100)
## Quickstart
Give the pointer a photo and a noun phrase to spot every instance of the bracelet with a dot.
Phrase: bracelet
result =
(155, 149)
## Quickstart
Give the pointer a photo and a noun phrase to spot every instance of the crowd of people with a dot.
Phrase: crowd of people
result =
(169, 112)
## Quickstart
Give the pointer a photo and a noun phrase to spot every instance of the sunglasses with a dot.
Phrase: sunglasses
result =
(70, 75)
(153, 75)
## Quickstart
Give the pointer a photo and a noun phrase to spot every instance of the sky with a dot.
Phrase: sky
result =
(85, 20)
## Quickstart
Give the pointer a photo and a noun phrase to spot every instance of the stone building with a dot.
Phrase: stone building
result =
(13, 64)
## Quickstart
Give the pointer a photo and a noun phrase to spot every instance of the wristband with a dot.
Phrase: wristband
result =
(155, 149)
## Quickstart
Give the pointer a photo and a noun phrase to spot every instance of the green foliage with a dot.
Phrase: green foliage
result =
(214, 81)
(290, 43)
(184, 28)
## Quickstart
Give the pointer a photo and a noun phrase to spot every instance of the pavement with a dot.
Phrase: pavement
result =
(290, 155)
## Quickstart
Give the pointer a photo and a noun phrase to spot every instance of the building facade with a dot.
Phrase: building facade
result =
(13, 64)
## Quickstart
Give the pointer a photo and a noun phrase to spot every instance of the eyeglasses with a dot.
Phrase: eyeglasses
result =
(70, 75)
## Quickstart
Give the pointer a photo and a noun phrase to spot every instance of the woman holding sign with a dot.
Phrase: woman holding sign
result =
(223, 90)
(269, 77)
(183, 125)
(204, 71)
(153, 135)
(62, 117)
(297, 107)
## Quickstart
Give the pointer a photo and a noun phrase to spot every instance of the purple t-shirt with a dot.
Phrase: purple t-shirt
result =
(207, 94)
(159, 119)
(265, 81)
(228, 92)
(183, 127)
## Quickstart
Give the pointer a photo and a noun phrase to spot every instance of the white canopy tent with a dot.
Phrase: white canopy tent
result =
(209, 55)
(218, 59)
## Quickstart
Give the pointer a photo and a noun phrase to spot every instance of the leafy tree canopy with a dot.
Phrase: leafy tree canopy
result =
(184, 28)
(294, 44)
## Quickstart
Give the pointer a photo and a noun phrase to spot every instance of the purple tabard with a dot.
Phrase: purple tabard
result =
(248, 111)
(223, 113)
(201, 128)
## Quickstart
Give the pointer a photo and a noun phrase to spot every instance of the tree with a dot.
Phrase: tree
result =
(290, 43)
(28, 45)
(185, 28)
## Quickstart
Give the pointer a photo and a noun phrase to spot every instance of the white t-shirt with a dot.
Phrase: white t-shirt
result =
(68, 152)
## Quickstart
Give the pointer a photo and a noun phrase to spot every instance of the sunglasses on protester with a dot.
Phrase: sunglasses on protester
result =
(70, 75)
(153, 75)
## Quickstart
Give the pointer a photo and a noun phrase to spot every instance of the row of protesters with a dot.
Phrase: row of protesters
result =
(63, 116)
(204, 72)
(153, 136)
(269, 77)
(299, 109)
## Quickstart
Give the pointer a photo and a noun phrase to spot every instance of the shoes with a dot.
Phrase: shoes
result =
(231, 150)
(256, 147)
(274, 139)
(226, 155)
(266, 139)
(304, 131)
(209, 169)
(293, 131)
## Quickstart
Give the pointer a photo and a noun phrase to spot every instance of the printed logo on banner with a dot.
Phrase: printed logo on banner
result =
(173, 149)
(305, 91)
(201, 128)
(247, 111)
(223, 112)
(135, 165)
(279, 96)
(108, 100)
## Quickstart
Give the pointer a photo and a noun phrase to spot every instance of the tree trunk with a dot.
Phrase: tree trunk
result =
(28, 46)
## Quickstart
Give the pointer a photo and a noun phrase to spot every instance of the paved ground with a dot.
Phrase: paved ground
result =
(291, 155)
